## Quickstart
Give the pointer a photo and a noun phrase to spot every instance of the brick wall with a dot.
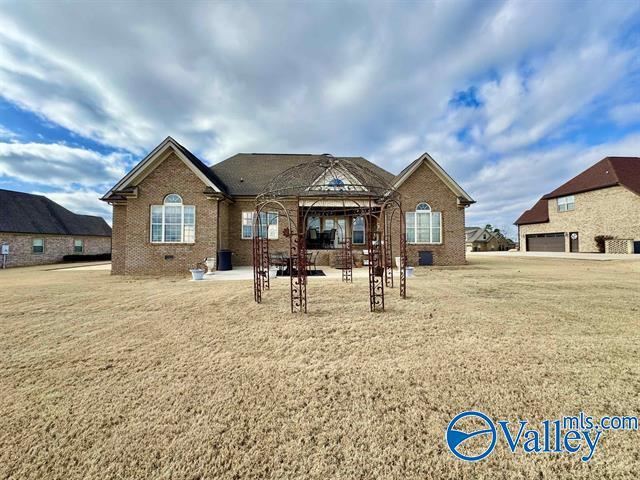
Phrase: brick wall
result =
(608, 211)
(134, 253)
(55, 247)
(425, 186)
(119, 240)
(242, 248)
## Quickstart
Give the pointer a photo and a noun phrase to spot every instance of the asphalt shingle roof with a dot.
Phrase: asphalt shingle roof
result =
(27, 213)
(249, 173)
(608, 172)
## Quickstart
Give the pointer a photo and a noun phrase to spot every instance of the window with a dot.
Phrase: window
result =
(173, 222)
(357, 230)
(566, 204)
(78, 246)
(37, 245)
(268, 225)
(423, 225)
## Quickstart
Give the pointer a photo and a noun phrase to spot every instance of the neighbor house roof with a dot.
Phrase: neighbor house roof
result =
(27, 213)
(249, 173)
(539, 213)
(474, 234)
(608, 172)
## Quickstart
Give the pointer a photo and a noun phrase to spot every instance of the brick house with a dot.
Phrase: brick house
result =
(171, 211)
(35, 230)
(604, 200)
(483, 239)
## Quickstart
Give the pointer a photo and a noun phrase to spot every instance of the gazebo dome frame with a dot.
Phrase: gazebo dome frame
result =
(340, 186)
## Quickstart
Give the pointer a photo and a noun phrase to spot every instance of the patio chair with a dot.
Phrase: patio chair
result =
(311, 259)
(313, 238)
(329, 238)
(278, 260)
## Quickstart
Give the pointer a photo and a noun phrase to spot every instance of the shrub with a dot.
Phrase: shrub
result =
(86, 258)
(600, 239)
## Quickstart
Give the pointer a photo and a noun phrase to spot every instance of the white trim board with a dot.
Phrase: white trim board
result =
(440, 173)
(151, 161)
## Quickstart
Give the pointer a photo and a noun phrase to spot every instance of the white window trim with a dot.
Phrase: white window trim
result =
(566, 203)
(364, 231)
(43, 246)
(81, 245)
(276, 225)
(163, 224)
(430, 212)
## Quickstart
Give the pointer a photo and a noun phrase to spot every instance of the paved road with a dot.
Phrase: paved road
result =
(574, 256)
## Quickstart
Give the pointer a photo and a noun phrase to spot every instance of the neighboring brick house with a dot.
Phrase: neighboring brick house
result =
(171, 211)
(604, 200)
(483, 239)
(36, 230)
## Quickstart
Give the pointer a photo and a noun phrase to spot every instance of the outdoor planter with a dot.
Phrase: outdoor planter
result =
(211, 265)
(409, 271)
(197, 273)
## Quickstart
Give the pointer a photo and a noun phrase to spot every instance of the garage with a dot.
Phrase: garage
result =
(545, 242)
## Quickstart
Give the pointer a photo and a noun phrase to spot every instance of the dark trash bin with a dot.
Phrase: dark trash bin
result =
(224, 260)
(425, 258)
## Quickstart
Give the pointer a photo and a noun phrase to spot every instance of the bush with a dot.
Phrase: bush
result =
(600, 239)
(86, 258)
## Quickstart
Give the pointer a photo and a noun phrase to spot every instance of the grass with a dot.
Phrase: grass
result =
(118, 377)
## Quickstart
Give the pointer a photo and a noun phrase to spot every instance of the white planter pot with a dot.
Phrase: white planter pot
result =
(211, 265)
(273, 272)
(397, 262)
(197, 273)
(409, 272)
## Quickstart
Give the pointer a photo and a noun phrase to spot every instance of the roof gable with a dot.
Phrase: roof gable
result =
(158, 154)
(463, 197)
(28, 213)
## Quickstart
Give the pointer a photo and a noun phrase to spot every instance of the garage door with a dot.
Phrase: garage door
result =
(545, 242)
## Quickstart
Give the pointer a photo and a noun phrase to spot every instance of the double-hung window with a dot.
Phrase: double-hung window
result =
(357, 231)
(566, 204)
(37, 245)
(268, 225)
(173, 222)
(78, 245)
(423, 225)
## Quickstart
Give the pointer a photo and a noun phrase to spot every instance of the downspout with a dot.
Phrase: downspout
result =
(217, 229)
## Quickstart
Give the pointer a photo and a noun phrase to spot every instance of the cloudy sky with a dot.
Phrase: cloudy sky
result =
(511, 98)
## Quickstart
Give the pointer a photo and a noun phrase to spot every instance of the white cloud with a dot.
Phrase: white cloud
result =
(371, 79)
(6, 134)
(626, 114)
(60, 165)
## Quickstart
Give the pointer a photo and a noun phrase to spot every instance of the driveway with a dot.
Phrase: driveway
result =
(573, 256)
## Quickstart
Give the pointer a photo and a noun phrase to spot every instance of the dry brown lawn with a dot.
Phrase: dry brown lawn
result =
(112, 377)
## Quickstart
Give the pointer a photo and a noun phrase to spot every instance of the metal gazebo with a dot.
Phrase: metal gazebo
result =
(329, 186)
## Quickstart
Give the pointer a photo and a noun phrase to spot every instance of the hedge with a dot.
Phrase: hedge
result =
(86, 258)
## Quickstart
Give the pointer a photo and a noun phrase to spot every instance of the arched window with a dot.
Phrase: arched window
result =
(173, 222)
(172, 198)
(423, 225)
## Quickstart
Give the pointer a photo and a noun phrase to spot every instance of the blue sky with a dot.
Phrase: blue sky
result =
(511, 98)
